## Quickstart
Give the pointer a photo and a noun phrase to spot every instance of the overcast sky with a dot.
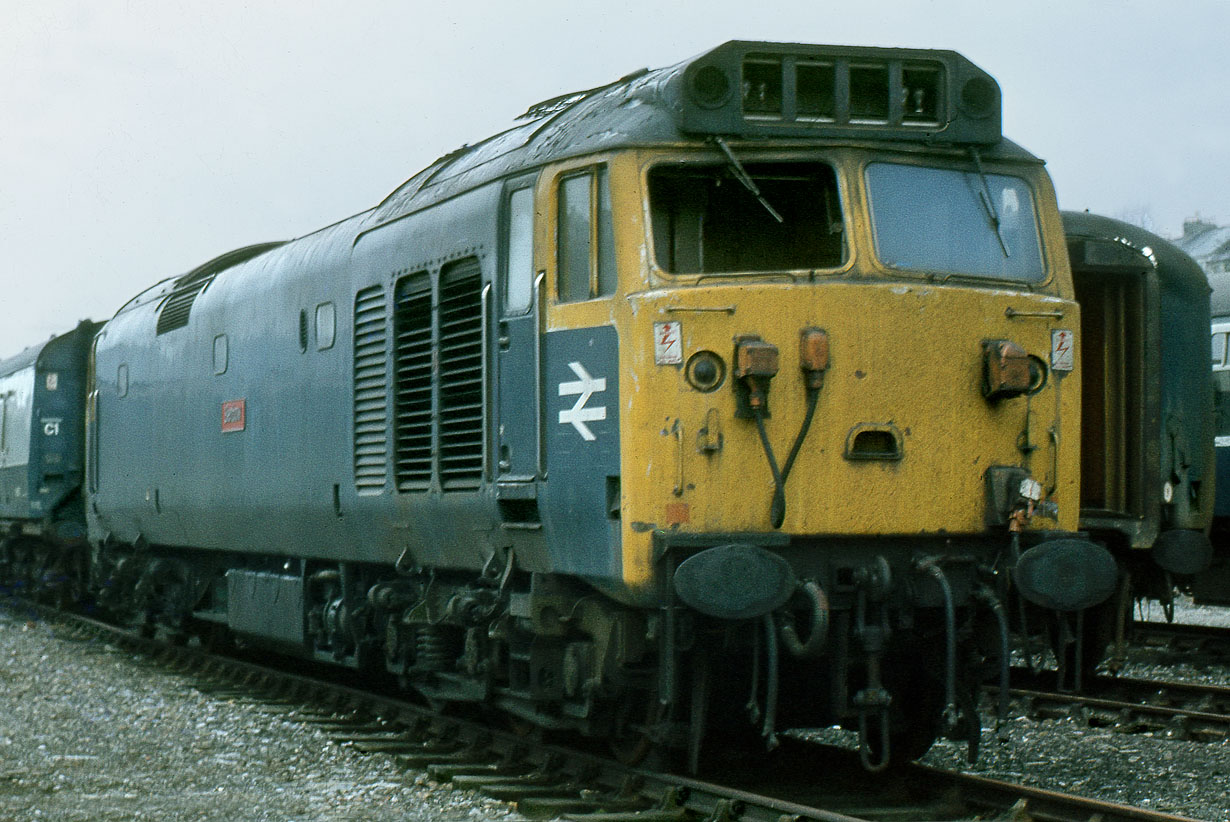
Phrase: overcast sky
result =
(139, 139)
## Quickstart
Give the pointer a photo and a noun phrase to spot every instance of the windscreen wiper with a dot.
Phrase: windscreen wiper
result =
(742, 176)
(988, 202)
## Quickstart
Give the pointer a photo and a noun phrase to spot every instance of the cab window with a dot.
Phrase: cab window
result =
(955, 222)
(519, 270)
(586, 237)
(708, 220)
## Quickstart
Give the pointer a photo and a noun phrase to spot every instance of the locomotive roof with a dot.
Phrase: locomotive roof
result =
(706, 97)
(700, 97)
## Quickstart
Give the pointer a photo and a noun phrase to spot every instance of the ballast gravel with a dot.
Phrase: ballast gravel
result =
(1143, 766)
(92, 732)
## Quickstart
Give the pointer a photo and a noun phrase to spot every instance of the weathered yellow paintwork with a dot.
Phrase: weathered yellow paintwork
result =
(905, 352)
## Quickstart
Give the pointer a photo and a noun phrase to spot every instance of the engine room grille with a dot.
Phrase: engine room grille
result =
(413, 395)
(178, 306)
(461, 375)
(371, 407)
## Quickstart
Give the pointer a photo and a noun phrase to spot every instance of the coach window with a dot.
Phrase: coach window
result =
(121, 380)
(1219, 348)
(326, 326)
(519, 273)
(221, 354)
(586, 252)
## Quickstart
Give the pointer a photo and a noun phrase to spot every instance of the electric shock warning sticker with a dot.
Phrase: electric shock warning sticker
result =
(668, 343)
(1063, 344)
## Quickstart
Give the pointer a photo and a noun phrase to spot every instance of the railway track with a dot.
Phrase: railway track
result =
(799, 781)
(1179, 710)
(1182, 641)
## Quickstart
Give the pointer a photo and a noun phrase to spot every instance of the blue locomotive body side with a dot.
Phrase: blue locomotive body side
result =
(42, 425)
(264, 426)
(173, 464)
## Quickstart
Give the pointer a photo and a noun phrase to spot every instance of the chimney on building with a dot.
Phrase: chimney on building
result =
(1195, 226)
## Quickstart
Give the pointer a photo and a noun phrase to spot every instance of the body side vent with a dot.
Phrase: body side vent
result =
(461, 375)
(371, 407)
(178, 305)
(412, 328)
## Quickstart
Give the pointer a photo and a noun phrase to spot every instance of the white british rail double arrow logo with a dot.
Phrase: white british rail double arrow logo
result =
(586, 386)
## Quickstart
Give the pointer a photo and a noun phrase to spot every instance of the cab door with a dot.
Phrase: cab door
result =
(517, 437)
(581, 501)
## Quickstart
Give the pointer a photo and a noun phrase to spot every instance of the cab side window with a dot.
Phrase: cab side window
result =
(586, 250)
(519, 273)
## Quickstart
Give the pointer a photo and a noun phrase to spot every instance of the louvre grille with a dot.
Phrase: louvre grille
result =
(371, 408)
(413, 394)
(178, 306)
(461, 375)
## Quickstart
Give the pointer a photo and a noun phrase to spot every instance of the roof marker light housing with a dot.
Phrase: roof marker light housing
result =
(789, 89)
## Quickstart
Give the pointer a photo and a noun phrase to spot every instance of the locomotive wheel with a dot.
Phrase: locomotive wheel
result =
(212, 636)
(21, 566)
(522, 727)
(634, 716)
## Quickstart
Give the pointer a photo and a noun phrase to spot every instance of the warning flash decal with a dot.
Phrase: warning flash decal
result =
(1063, 343)
(668, 343)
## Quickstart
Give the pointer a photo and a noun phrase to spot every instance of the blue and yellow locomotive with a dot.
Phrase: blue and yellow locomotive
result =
(753, 382)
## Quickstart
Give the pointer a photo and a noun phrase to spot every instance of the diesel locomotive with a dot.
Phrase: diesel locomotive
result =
(734, 396)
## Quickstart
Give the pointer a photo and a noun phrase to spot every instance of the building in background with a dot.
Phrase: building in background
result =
(1207, 243)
